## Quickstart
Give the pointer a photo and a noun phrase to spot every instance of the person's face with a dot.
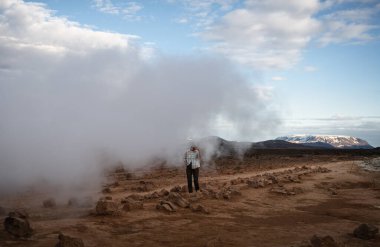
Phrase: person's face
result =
(192, 148)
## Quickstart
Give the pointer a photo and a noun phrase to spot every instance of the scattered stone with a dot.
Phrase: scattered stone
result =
(366, 231)
(18, 225)
(163, 192)
(176, 188)
(177, 199)
(200, 208)
(184, 189)
(326, 241)
(131, 204)
(166, 206)
(106, 207)
(49, 203)
(106, 190)
(67, 241)
(145, 186)
(279, 190)
(155, 195)
(136, 197)
(19, 213)
(253, 183)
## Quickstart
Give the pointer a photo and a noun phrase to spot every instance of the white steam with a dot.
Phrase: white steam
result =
(69, 95)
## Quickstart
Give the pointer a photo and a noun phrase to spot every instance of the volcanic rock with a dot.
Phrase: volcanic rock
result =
(67, 241)
(49, 203)
(106, 207)
(18, 225)
(106, 190)
(200, 208)
(136, 197)
(163, 192)
(176, 188)
(131, 204)
(166, 206)
(145, 186)
(178, 200)
(326, 241)
(366, 231)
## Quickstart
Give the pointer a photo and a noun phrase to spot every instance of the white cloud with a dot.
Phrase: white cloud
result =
(274, 33)
(129, 9)
(278, 78)
(265, 34)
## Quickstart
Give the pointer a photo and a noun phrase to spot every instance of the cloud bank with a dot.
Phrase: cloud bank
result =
(70, 96)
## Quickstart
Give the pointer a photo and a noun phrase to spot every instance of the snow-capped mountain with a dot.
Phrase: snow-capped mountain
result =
(327, 141)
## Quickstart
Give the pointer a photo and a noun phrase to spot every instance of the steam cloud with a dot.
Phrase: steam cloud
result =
(70, 94)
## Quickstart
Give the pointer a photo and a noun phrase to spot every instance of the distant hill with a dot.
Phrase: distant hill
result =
(327, 141)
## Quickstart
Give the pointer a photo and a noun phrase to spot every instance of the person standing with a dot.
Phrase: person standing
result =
(193, 163)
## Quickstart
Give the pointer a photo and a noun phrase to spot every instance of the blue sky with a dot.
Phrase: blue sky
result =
(315, 62)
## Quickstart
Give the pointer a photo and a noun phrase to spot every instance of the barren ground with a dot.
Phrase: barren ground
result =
(308, 201)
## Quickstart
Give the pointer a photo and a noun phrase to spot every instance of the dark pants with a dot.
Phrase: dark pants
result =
(190, 173)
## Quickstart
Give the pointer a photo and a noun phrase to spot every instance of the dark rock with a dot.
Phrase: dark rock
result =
(18, 225)
(67, 241)
(366, 231)
(106, 190)
(49, 203)
(131, 204)
(19, 213)
(326, 241)
(106, 207)
(177, 199)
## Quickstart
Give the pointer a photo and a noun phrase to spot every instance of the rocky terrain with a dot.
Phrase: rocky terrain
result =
(259, 200)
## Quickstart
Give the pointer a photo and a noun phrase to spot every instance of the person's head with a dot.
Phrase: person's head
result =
(193, 148)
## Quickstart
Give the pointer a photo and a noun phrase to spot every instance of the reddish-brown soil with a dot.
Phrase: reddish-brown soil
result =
(323, 203)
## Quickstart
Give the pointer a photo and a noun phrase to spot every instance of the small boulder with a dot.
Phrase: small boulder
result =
(18, 225)
(326, 241)
(106, 207)
(176, 188)
(49, 203)
(106, 190)
(200, 208)
(67, 241)
(163, 192)
(136, 197)
(131, 204)
(177, 199)
(366, 231)
(166, 206)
